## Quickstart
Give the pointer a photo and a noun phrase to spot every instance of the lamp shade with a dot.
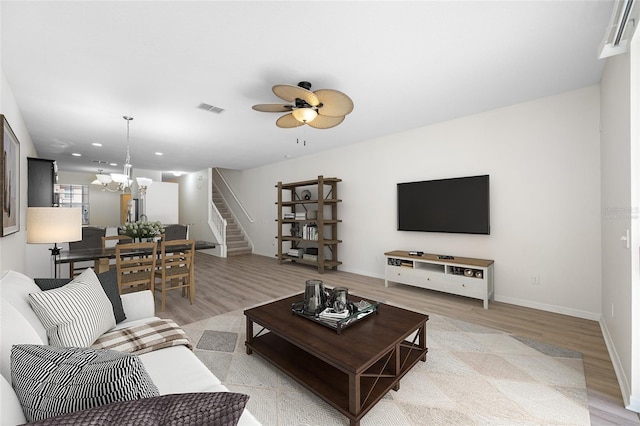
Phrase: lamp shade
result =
(305, 115)
(103, 179)
(53, 225)
(144, 181)
(120, 178)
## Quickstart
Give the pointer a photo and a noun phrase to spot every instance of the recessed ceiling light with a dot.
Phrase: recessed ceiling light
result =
(287, 156)
(159, 153)
(177, 173)
(113, 164)
(75, 154)
(96, 144)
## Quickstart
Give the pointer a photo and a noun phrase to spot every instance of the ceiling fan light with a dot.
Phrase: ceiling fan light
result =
(305, 115)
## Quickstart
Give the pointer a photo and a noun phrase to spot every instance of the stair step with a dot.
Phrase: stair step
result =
(238, 252)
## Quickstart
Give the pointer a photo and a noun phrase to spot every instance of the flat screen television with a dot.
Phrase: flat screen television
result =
(456, 205)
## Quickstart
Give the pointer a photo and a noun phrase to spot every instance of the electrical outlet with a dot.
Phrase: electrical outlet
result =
(535, 279)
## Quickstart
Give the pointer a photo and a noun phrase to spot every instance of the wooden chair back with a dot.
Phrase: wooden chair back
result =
(175, 232)
(136, 266)
(117, 239)
(91, 238)
(176, 268)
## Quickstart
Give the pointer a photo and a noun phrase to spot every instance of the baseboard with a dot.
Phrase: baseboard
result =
(549, 308)
(623, 382)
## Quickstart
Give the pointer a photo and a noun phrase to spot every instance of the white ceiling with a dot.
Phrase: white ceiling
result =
(75, 68)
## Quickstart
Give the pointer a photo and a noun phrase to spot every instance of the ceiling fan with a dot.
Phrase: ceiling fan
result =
(321, 109)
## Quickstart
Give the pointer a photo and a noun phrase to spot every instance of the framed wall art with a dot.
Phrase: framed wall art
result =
(9, 179)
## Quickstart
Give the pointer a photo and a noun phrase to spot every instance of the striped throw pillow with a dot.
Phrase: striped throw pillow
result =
(50, 381)
(76, 314)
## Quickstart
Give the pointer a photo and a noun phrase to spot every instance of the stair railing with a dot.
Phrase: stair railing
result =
(218, 225)
(229, 191)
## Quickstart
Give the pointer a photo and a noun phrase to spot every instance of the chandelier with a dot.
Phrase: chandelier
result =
(121, 182)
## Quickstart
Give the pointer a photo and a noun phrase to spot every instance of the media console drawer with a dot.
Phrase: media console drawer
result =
(459, 275)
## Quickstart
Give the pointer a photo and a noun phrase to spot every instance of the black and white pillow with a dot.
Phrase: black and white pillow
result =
(50, 381)
(109, 282)
(76, 314)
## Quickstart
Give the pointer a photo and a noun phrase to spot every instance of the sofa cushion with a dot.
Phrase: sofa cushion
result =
(220, 409)
(109, 282)
(15, 288)
(76, 314)
(191, 376)
(14, 329)
(50, 381)
(10, 409)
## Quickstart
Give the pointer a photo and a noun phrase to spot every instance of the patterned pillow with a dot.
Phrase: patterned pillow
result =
(194, 409)
(76, 314)
(109, 282)
(50, 381)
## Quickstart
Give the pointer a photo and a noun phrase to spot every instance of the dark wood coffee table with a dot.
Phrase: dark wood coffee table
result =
(351, 371)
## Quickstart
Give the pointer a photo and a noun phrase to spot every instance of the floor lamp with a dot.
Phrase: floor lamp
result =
(53, 225)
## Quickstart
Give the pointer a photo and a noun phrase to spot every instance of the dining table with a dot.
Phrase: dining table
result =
(101, 256)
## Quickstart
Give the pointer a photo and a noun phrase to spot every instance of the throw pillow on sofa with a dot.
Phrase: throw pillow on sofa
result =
(50, 381)
(187, 409)
(76, 314)
(109, 282)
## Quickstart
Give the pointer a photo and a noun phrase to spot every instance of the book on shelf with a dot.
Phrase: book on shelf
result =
(301, 215)
(310, 257)
(289, 216)
(295, 252)
(310, 232)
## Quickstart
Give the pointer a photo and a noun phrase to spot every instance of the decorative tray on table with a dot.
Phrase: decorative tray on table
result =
(357, 311)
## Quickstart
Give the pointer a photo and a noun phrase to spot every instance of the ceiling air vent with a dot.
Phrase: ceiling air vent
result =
(210, 108)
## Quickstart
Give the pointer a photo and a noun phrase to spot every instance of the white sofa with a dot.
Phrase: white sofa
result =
(173, 370)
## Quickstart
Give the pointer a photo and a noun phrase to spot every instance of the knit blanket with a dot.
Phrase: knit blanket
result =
(143, 338)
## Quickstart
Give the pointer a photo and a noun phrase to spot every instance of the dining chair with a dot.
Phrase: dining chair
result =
(176, 269)
(136, 266)
(111, 241)
(91, 238)
(175, 232)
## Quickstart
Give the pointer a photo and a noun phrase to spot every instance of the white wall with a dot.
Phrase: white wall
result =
(12, 247)
(620, 291)
(543, 157)
(162, 202)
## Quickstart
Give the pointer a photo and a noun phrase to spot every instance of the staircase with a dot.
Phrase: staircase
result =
(237, 245)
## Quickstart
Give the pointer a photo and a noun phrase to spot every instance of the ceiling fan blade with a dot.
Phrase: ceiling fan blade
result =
(288, 121)
(334, 103)
(290, 93)
(325, 122)
(272, 108)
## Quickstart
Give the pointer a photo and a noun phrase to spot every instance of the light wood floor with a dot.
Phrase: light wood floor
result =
(227, 284)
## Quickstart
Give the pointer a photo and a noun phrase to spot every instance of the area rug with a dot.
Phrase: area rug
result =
(473, 376)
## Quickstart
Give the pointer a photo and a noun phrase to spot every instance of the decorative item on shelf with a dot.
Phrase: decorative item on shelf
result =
(312, 214)
(306, 195)
(142, 230)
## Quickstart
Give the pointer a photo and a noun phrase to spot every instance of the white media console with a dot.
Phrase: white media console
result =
(463, 276)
